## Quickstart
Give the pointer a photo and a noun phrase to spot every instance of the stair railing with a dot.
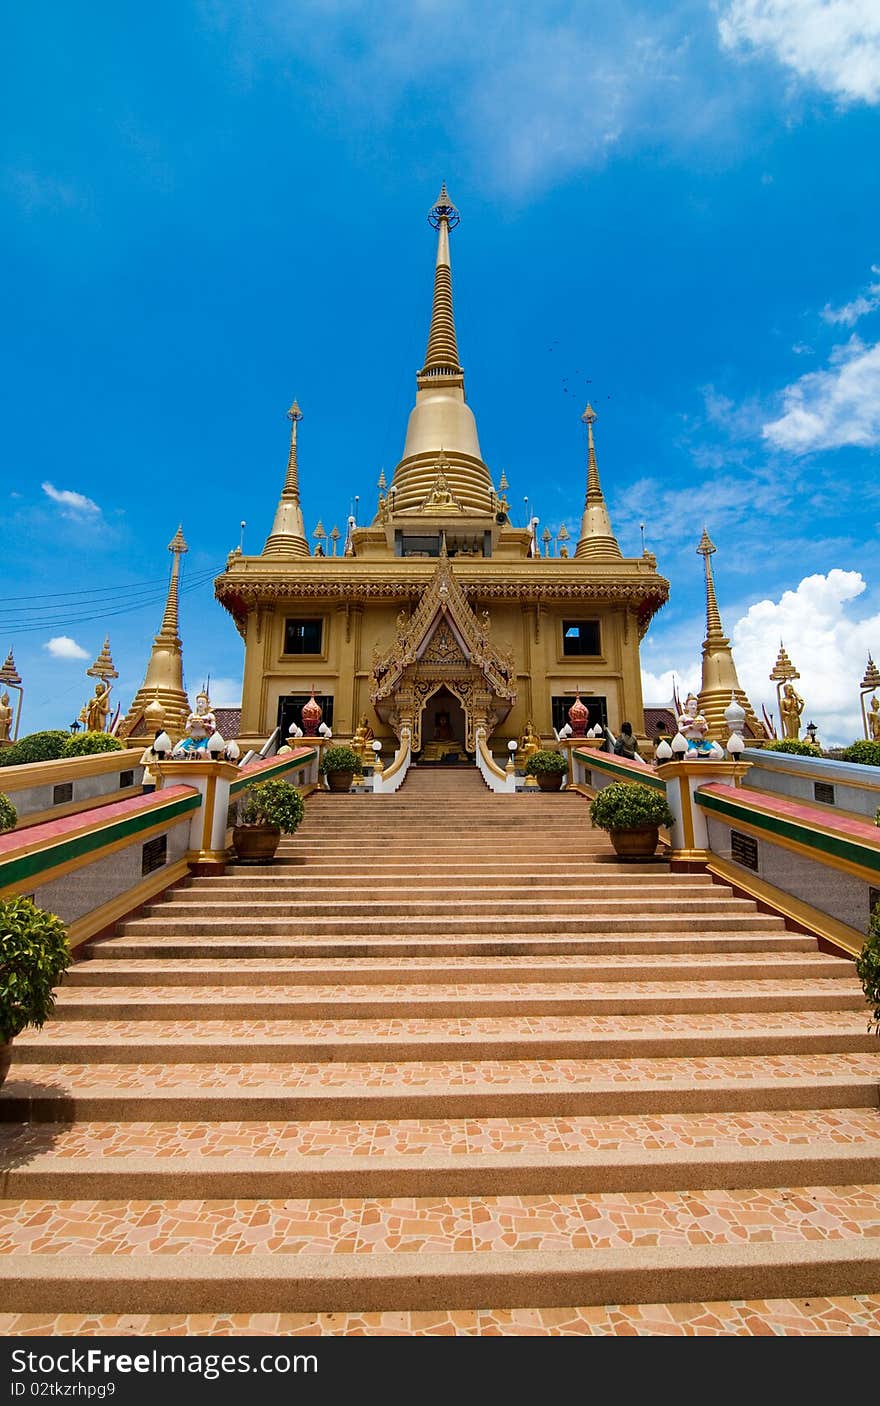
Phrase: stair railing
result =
(394, 775)
(502, 782)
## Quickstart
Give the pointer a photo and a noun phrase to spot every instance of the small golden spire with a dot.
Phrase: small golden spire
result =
(9, 673)
(596, 541)
(503, 484)
(720, 681)
(163, 679)
(714, 629)
(441, 357)
(288, 535)
(870, 681)
(382, 484)
(783, 669)
(335, 535)
(103, 667)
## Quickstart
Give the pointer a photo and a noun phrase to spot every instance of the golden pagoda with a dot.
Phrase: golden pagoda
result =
(163, 680)
(719, 678)
(440, 615)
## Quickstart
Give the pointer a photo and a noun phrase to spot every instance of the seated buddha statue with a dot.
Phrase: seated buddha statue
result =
(529, 743)
(363, 736)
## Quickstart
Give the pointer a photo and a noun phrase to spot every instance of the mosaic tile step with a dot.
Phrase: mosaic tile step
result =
(135, 1091)
(98, 971)
(472, 999)
(443, 1225)
(855, 1317)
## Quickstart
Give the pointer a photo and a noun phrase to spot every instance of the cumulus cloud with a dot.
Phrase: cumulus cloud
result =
(225, 693)
(850, 313)
(834, 44)
(658, 689)
(63, 647)
(73, 505)
(837, 406)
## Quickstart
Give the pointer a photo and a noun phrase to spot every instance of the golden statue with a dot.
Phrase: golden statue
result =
(529, 743)
(363, 736)
(403, 618)
(874, 719)
(791, 706)
(95, 713)
(6, 718)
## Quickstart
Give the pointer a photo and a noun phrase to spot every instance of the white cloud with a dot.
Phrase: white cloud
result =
(63, 647)
(824, 641)
(73, 505)
(837, 406)
(657, 689)
(834, 44)
(225, 693)
(850, 313)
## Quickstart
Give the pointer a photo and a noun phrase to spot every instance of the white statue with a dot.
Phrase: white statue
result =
(693, 727)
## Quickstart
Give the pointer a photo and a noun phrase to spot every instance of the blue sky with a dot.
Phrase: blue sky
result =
(208, 208)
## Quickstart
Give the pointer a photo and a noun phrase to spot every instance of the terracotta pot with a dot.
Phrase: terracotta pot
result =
(550, 780)
(636, 844)
(255, 844)
(5, 1060)
(340, 780)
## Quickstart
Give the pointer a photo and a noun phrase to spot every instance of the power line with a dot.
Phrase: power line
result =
(66, 621)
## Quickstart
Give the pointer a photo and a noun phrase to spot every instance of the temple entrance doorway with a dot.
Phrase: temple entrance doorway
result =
(443, 730)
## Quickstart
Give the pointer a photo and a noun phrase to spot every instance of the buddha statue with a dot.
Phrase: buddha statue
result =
(529, 743)
(363, 736)
(874, 719)
(95, 713)
(791, 706)
(6, 718)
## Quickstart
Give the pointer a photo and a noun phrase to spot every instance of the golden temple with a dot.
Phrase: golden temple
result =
(440, 615)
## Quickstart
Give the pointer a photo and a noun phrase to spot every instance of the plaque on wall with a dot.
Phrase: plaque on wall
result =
(154, 855)
(744, 849)
(823, 792)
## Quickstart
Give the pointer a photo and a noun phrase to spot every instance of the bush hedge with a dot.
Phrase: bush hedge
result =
(629, 806)
(339, 759)
(866, 753)
(87, 744)
(794, 747)
(868, 968)
(273, 803)
(36, 747)
(34, 955)
(543, 762)
(8, 814)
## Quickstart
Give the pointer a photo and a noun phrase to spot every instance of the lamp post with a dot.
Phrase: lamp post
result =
(377, 757)
(811, 733)
(511, 757)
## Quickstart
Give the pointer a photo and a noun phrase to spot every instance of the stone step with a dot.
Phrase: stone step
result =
(303, 971)
(433, 1038)
(451, 880)
(465, 1157)
(415, 906)
(523, 925)
(273, 1002)
(352, 1090)
(415, 1252)
(168, 947)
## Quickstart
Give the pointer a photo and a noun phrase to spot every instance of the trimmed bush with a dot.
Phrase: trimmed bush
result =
(87, 744)
(623, 806)
(540, 763)
(273, 803)
(868, 969)
(36, 747)
(339, 759)
(866, 753)
(34, 955)
(8, 814)
(794, 747)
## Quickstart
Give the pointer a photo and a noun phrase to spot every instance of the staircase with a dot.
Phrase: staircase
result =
(447, 1067)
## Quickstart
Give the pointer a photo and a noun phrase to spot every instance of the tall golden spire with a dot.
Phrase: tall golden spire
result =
(720, 679)
(163, 680)
(288, 535)
(441, 357)
(441, 419)
(597, 541)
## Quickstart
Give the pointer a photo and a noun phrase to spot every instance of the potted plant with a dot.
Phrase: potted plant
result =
(8, 814)
(339, 765)
(34, 955)
(548, 768)
(269, 809)
(632, 814)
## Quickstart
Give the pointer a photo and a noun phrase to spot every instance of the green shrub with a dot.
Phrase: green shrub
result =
(866, 753)
(339, 759)
(868, 968)
(86, 744)
(545, 761)
(794, 747)
(34, 955)
(8, 814)
(36, 747)
(629, 806)
(273, 803)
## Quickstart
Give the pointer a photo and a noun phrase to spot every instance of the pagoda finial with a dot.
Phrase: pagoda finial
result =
(714, 628)
(720, 682)
(596, 541)
(103, 667)
(441, 357)
(288, 535)
(168, 630)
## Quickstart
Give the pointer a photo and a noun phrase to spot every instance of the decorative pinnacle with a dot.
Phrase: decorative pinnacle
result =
(783, 669)
(177, 543)
(382, 484)
(294, 413)
(714, 628)
(9, 673)
(443, 209)
(589, 416)
(319, 530)
(594, 487)
(503, 484)
(707, 546)
(871, 679)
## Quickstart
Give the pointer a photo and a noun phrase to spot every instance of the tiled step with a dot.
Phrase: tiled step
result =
(350, 904)
(273, 1002)
(519, 925)
(473, 1037)
(413, 1252)
(526, 1156)
(199, 945)
(841, 1316)
(302, 971)
(351, 1090)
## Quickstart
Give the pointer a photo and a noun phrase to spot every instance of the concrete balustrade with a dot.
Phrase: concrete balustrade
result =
(50, 790)
(847, 786)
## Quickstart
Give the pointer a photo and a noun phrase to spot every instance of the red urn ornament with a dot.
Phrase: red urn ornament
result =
(578, 716)
(312, 714)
